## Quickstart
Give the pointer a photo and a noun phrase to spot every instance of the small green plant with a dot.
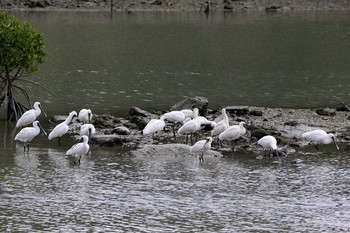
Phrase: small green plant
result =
(21, 51)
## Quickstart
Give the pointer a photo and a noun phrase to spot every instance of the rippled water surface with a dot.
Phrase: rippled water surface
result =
(111, 191)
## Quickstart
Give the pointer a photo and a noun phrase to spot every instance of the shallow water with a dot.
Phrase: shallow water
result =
(112, 191)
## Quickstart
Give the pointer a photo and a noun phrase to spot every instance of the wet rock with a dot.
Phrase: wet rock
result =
(156, 2)
(135, 111)
(37, 3)
(255, 112)
(259, 133)
(325, 112)
(115, 140)
(139, 121)
(169, 150)
(193, 102)
(342, 107)
(238, 110)
(105, 121)
(121, 130)
(291, 123)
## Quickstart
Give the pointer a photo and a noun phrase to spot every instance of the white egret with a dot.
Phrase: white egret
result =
(88, 130)
(190, 127)
(27, 134)
(319, 136)
(80, 149)
(201, 147)
(30, 116)
(154, 126)
(174, 117)
(62, 128)
(85, 115)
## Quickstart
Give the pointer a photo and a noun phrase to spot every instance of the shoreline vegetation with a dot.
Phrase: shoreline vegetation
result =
(130, 6)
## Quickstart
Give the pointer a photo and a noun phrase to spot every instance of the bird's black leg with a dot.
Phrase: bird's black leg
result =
(174, 131)
(191, 138)
(201, 158)
(59, 141)
(317, 148)
(186, 140)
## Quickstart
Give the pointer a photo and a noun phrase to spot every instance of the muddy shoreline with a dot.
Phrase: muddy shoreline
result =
(286, 125)
(175, 5)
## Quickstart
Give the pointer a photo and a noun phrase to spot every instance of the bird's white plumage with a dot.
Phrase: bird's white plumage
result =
(189, 113)
(154, 126)
(191, 126)
(62, 128)
(29, 116)
(319, 136)
(174, 116)
(85, 115)
(231, 133)
(222, 125)
(28, 133)
(268, 142)
(87, 129)
(80, 149)
(202, 146)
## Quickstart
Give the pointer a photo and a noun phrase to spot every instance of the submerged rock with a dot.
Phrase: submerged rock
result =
(193, 102)
(169, 150)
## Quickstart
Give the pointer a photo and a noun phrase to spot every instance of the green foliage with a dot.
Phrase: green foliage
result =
(21, 51)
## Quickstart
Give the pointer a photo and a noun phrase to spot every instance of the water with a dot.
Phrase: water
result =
(114, 192)
(154, 60)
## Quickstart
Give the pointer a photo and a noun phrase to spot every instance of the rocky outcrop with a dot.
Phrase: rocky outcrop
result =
(286, 125)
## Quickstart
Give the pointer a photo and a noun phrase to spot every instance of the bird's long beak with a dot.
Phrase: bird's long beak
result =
(336, 145)
(42, 129)
(43, 111)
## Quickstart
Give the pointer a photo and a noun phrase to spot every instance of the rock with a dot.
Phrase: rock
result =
(255, 112)
(259, 133)
(105, 121)
(115, 140)
(156, 2)
(325, 112)
(37, 3)
(169, 150)
(342, 107)
(139, 121)
(121, 130)
(193, 102)
(135, 111)
(238, 110)
(291, 123)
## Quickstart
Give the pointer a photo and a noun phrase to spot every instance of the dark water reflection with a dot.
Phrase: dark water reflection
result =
(153, 60)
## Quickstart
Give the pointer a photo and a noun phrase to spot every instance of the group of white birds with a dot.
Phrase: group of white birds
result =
(190, 120)
(192, 123)
(27, 134)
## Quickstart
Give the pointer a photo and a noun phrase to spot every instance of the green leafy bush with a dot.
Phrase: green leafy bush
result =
(21, 51)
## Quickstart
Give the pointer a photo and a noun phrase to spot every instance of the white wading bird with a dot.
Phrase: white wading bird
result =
(30, 116)
(174, 117)
(319, 136)
(190, 127)
(269, 143)
(201, 147)
(85, 115)
(154, 126)
(80, 149)
(221, 126)
(88, 130)
(62, 128)
(232, 133)
(27, 134)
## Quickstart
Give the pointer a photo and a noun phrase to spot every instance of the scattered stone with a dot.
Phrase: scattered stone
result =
(255, 112)
(325, 112)
(342, 107)
(156, 2)
(135, 111)
(291, 123)
(238, 110)
(121, 130)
